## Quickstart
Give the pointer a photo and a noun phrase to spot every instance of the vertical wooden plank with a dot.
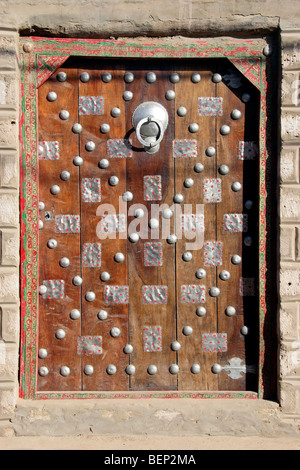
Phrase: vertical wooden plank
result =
(92, 215)
(54, 314)
(139, 275)
(191, 352)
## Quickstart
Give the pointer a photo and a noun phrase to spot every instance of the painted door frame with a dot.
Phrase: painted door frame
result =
(39, 59)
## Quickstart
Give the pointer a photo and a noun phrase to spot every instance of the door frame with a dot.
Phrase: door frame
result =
(39, 59)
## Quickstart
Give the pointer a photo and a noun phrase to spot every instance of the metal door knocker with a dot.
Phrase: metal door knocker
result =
(150, 120)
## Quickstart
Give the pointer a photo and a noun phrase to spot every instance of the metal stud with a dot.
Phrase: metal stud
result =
(230, 311)
(61, 76)
(113, 180)
(90, 296)
(244, 330)
(170, 95)
(84, 77)
(41, 225)
(77, 128)
(43, 353)
(119, 257)
(65, 370)
(167, 214)
(89, 370)
(128, 348)
(210, 151)
(198, 168)
(111, 369)
(106, 77)
(201, 311)
(187, 330)
(267, 50)
(104, 163)
(134, 237)
(152, 369)
(248, 204)
(127, 196)
(77, 281)
(52, 96)
(196, 77)
(174, 369)
(248, 241)
(193, 127)
(188, 182)
(64, 262)
(201, 273)
(78, 161)
(236, 186)
(42, 289)
(43, 371)
(214, 291)
(90, 146)
(153, 223)
(216, 78)
(130, 370)
(171, 239)
(187, 256)
(55, 189)
(224, 275)
(195, 369)
(236, 114)
(102, 315)
(236, 259)
(115, 332)
(223, 170)
(115, 112)
(105, 276)
(151, 77)
(52, 243)
(65, 175)
(75, 314)
(60, 333)
(105, 128)
(128, 77)
(181, 111)
(64, 115)
(178, 198)
(216, 368)
(174, 77)
(28, 47)
(41, 206)
(127, 95)
(225, 129)
(246, 97)
(175, 346)
(139, 213)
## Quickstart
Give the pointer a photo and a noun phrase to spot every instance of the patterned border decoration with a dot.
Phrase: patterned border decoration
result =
(44, 57)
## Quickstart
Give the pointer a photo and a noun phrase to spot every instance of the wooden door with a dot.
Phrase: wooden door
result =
(127, 303)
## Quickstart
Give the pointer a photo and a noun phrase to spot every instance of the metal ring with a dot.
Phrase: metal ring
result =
(139, 137)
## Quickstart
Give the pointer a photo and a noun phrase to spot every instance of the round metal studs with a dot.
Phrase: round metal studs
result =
(152, 369)
(181, 111)
(75, 314)
(90, 146)
(167, 214)
(60, 333)
(128, 77)
(89, 369)
(174, 369)
(127, 95)
(224, 275)
(153, 223)
(214, 291)
(52, 243)
(115, 112)
(210, 151)
(175, 346)
(106, 77)
(104, 163)
(104, 128)
(128, 348)
(188, 182)
(64, 115)
(65, 371)
(170, 95)
(28, 47)
(187, 256)
(198, 168)
(113, 180)
(236, 186)
(41, 225)
(130, 370)
(193, 127)
(134, 237)
(171, 239)
(248, 241)
(52, 96)
(244, 330)
(42, 289)
(187, 330)
(77, 161)
(178, 198)
(90, 296)
(223, 170)
(236, 259)
(65, 175)
(174, 77)
(216, 368)
(41, 206)
(230, 311)
(61, 76)
(43, 353)
(248, 204)
(77, 128)
(43, 371)
(139, 213)
(201, 273)
(151, 77)
(225, 129)
(77, 281)
(127, 196)
(246, 97)
(111, 369)
(55, 189)
(105, 276)
(84, 77)
(200, 311)
(64, 262)
(119, 257)
(236, 114)
(195, 369)
(196, 77)
(102, 315)
(217, 78)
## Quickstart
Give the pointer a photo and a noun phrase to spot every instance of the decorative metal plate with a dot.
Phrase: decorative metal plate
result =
(184, 148)
(212, 190)
(155, 294)
(235, 222)
(247, 286)
(91, 105)
(192, 294)
(210, 106)
(152, 188)
(91, 190)
(152, 338)
(153, 254)
(113, 223)
(192, 223)
(55, 289)
(116, 294)
(235, 367)
(49, 150)
(214, 342)
(213, 253)
(248, 150)
(67, 223)
(88, 345)
(119, 148)
(91, 255)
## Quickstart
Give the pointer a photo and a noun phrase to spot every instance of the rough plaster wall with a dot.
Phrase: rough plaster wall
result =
(115, 18)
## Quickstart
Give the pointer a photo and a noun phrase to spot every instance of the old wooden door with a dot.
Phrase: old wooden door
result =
(148, 261)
